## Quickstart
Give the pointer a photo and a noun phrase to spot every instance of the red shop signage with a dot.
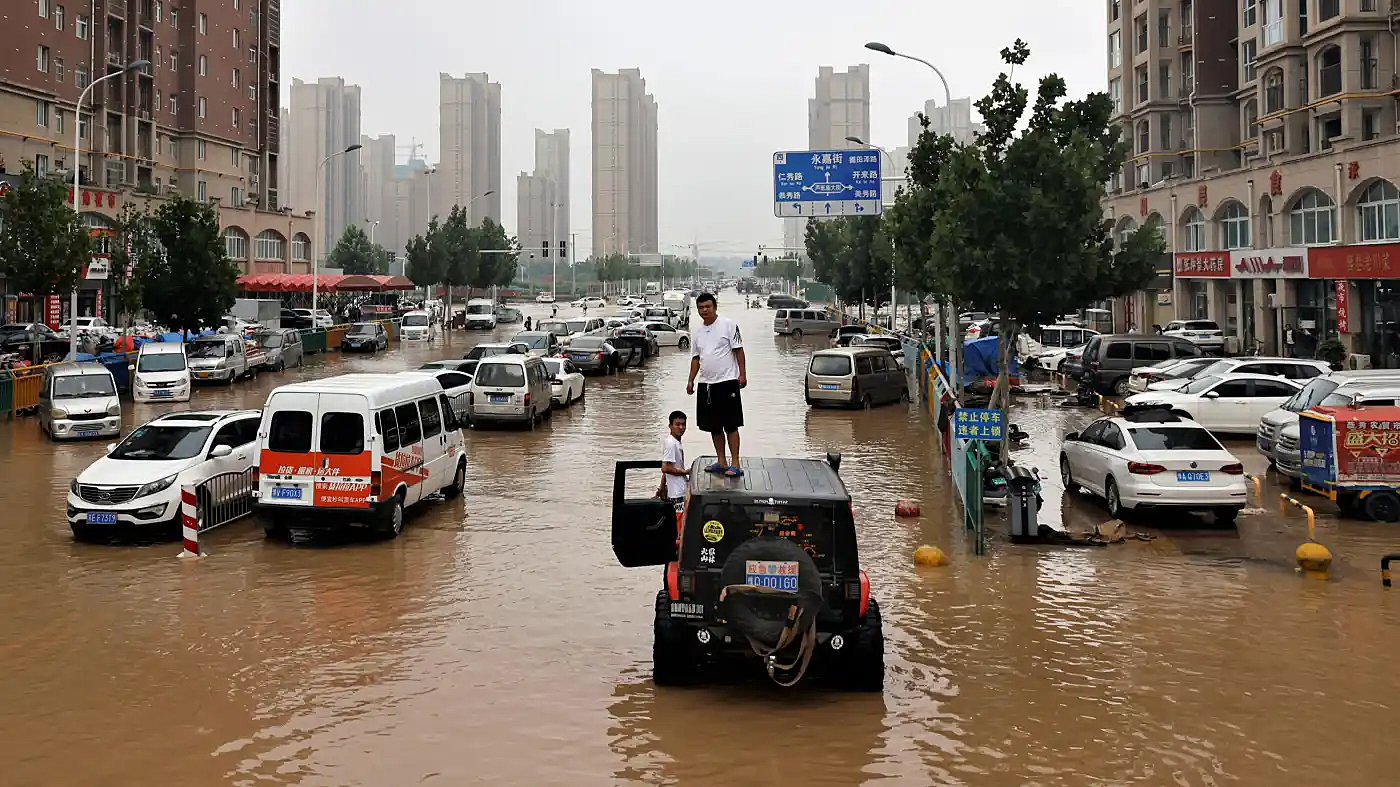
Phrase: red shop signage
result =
(1343, 307)
(1202, 264)
(1372, 261)
(53, 311)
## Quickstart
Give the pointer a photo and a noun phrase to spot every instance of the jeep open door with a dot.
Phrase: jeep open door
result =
(643, 529)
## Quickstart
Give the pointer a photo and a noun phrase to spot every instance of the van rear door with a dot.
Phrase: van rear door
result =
(345, 453)
(314, 451)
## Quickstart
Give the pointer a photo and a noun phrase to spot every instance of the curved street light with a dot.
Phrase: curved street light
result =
(316, 254)
(876, 46)
(134, 65)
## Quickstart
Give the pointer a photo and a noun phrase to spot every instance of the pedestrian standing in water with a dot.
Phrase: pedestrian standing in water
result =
(675, 477)
(717, 363)
(527, 323)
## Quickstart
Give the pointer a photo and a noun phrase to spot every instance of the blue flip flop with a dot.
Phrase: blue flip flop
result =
(716, 468)
(733, 472)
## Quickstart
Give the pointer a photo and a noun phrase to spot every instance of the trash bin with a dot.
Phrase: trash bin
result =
(1022, 503)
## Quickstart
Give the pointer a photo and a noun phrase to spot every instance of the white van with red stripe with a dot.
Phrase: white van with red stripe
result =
(355, 451)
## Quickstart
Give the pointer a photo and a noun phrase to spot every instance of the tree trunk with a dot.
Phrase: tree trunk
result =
(1001, 394)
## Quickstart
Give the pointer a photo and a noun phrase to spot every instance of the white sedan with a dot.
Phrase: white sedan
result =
(566, 381)
(545, 297)
(667, 335)
(1153, 459)
(590, 302)
(628, 300)
(1228, 403)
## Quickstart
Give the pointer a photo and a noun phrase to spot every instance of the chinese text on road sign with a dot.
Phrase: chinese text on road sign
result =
(821, 183)
(977, 424)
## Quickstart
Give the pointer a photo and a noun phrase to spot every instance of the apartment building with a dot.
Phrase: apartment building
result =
(325, 119)
(200, 120)
(1264, 147)
(839, 108)
(542, 201)
(470, 130)
(624, 164)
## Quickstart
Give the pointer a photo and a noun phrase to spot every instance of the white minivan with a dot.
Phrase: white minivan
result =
(481, 313)
(418, 326)
(355, 451)
(162, 374)
(510, 389)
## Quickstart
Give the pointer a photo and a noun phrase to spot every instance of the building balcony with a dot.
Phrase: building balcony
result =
(116, 8)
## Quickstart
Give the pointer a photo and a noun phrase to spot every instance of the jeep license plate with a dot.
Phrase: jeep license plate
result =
(1191, 475)
(775, 574)
(680, 609)
(101, 518)
(286, 493)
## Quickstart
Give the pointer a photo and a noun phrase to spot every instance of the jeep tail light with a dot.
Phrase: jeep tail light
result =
(374, 484)
(1234, 469)
(1145, 468)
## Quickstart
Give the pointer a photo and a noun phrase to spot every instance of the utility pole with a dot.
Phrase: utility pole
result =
(573, 266)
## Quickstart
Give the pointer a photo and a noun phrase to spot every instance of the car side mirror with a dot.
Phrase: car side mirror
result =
(1212, 394)
(220, 451)
(111, 447)
(1071, 437)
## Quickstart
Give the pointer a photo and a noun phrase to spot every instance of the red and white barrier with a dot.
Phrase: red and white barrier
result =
(189, 521)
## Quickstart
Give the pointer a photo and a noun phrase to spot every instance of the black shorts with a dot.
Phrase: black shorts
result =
(718, 407)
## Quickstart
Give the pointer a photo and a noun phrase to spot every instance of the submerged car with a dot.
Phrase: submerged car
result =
(762, 572)
(365, 337)
(594, 354)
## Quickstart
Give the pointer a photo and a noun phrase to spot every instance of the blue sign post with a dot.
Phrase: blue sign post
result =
(822, 183)
(970, 424)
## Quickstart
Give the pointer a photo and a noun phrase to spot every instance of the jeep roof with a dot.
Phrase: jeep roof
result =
(803, 479)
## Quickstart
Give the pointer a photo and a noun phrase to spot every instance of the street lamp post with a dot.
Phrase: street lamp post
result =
(316, 255)
(372, 226)
(952, 316)
(134, 65)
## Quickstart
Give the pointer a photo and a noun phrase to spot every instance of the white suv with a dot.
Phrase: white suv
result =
(1298, 369)
(1205, 333)
(135, 488)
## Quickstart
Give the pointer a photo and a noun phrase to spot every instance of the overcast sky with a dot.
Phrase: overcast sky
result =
(731, 79)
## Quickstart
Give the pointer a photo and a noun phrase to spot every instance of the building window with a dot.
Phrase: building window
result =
(1193, 231)
(253, 92)
(237, 117)
(1164, 127)
(41, 166)
(1249, 54)
(156, 107)
(58, 121)
(1126, 228)
(1368, 63)
(174, 61)
(58, 68)
(1326, 9)
(299, 247)
(1188, 75)
(41, 113)
(1273, 21)
(201, 191)
(1140, 25)
(235, 244)
(1142, 84)
(252, 54)
(203, 107)
(82, 127)
(1115, 92)
(1164, 27)
(1273, 141)
(1329, 72)
(235, 197)
(80, 26)
(174, 17)
(200, 151)
(1370, 125)
(203, 24)
(1164, 80)
(43, 9)
(1115, 49)
(80, 75)
(237, 79)
(1115, 10)
(270, 245)
(58, 17)
(1186, 14)
(1234, 227)
(41, 59)
(160, 10)
(1378, 212)
(203, 66)
(1251, 120)
(1144, 137)
(1273, 91)
(1250, 12)
(235, 5)
(1368, 5)
(1144, 175)
(172, 103)
(1310, 221)
(235, 158)
(236, 44)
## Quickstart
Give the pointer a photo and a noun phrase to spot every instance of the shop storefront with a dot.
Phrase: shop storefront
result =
(1358, 288)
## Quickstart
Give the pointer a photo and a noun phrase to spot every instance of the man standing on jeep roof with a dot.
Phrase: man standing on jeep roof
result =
(717, 357)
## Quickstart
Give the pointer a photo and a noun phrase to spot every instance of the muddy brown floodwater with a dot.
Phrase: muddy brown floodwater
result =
(497, 642)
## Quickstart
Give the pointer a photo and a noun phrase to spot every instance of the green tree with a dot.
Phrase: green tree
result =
(192, 283)
(44, 244)
(494, 269)
(134, 246)
(613, 268)
(425, 264)
(458, 243)
(1013, 223)
(355, 254)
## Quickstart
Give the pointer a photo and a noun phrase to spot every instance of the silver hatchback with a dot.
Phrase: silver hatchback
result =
(79, 400)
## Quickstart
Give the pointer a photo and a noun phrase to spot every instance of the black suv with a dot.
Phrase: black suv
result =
(761, 568)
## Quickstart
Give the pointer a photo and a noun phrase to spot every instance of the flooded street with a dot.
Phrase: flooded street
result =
(498, 642)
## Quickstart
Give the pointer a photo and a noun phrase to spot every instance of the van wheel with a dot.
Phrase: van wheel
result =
(865, 402)
(1120, 387)
(459, 483)
(797, 333)
(904, 396)
(277, 531)
(392, 524)
(683, 344)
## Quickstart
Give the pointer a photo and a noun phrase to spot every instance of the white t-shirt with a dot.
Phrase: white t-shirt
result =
(714, 345)
(672, 452)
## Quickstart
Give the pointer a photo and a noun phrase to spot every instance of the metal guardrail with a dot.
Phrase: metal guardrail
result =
(224, 498)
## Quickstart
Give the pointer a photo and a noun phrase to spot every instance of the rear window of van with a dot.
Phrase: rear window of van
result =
(831, 365)
(500, 375)
(290, 431)
(342, 433)
(782, 314)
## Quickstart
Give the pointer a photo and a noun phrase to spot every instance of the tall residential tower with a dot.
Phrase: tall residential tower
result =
(470, 129)
(624, 164)
(325, 118)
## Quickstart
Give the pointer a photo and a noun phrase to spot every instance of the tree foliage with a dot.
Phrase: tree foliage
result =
(192, 283)
(852, 255)
(425, 265)
(44, 244)
(355, 254)
(616, 267)
(459, 255)
(134, 247)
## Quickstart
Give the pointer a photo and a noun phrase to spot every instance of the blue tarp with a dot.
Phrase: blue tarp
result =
(980, 359)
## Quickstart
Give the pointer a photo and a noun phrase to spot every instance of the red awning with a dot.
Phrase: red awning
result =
(330, 282)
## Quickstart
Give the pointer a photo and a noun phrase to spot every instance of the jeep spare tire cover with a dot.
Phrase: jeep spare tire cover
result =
(762, 613)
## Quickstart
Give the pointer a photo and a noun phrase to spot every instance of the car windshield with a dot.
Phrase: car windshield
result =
(209, 350)
(1311, 395)
(415, 320)
(361, 329)
(556, 327)
(158, 442)
(479, 308)
(831, 365)
(576, 326)
(500, 375)
(270, 340)
(160, 362)
(1183, 369)
(535, 341)
(555, 367)
(1201, 325)
(1200, 384)
(1216, 369)
(77, 386)
(1165, 438)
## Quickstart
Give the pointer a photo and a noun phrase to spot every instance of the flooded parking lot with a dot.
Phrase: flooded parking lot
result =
(497, 641)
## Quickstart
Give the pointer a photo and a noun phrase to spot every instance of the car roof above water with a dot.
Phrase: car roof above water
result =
(795, 480)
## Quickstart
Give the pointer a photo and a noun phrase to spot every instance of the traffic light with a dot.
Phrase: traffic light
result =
(563, 250)
(545, 246)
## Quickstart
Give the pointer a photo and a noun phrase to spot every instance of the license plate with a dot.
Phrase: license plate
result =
(1192, 475)
(829, 386)
(286, 492)
(203, 375)
(159, 394)
(776, 574)
(102, 518)
(86, 428)
(579, 356)
(499, 398)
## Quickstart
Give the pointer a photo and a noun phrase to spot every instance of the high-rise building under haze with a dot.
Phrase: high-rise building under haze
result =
(954, 121)
(470, 130)
(542, 198)
(624, 167)
(838, 108)
(325, 118)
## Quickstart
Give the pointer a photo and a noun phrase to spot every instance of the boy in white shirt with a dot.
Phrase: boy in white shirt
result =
(675, 477)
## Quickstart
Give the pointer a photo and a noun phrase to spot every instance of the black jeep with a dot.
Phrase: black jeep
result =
(764, 570)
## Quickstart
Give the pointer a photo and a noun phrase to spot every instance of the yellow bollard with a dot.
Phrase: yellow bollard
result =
(1313, 558)
(929, 556)
(1258, 490)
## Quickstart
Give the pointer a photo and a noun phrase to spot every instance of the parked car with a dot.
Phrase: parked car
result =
(1313, 393)
(510, 389)
(480, 314)
(297, 319)
(136, 486)
(220, 358)
(79, 400)
(541, 343)
(418, 325)
(796, 322)
(33, 340)
(508, 315)
(1206, 333)
(1232, 403)
(885, 341)
(1054, 359)
(1180, 369)
(594, 354)
(637, 337)
(1153, 458)
(545, 297)
(365, 337)
(566, 381)
(1061, 335)
(318, 319)
(1109, 359)
(780, 301)
(590, 302)
(455, 364)
(455, 385)
(161, 373)
(1301, 369)
(281, 348)
(840, 336)
(488, 349)
(667, 335)
(854, 377)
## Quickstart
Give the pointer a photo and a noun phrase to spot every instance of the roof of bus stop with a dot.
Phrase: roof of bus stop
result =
(329, 282)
